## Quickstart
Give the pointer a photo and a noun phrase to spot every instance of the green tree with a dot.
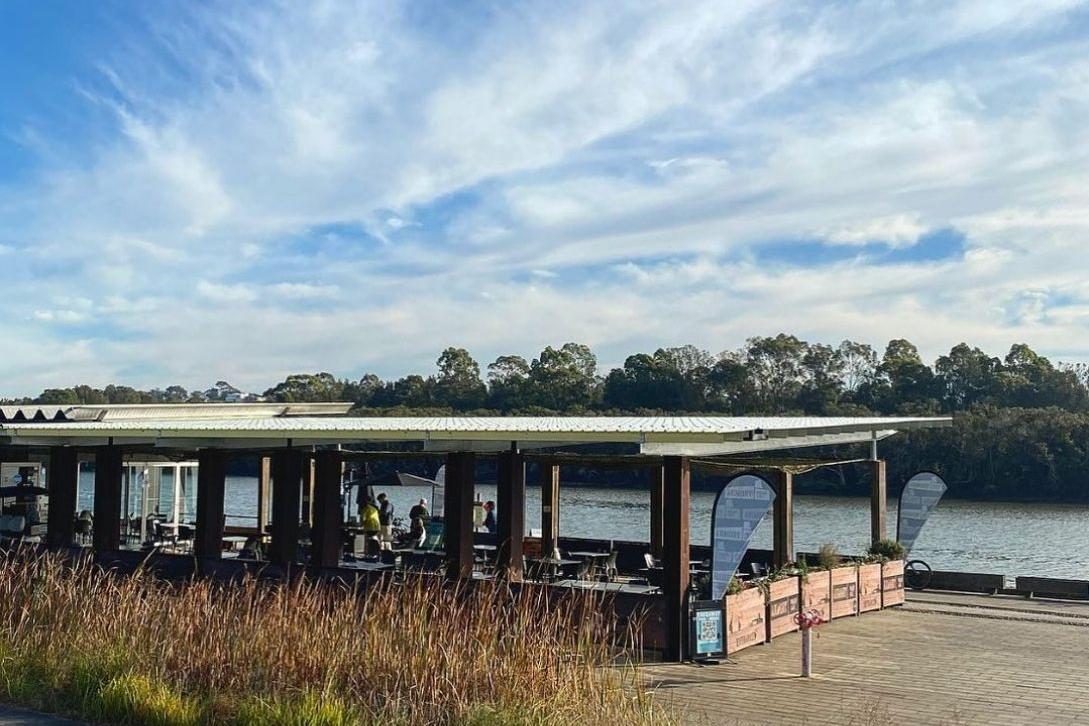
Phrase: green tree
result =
(776, 372)
(729, 384)
(565, 378)
(57, 397)
(508, 383)
(967, 376)
(304, 388)
(909, 385)
(458, 384)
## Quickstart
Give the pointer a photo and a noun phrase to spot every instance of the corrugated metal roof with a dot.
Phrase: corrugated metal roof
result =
(654, 434)
(168, 411)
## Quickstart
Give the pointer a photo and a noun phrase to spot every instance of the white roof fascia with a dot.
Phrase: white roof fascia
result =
(772, 444)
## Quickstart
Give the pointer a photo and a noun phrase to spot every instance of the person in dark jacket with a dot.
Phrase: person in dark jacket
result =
(419, 511)
(489, 516)
(385, 521)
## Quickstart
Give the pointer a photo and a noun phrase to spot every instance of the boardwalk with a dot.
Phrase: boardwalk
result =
(943, 659)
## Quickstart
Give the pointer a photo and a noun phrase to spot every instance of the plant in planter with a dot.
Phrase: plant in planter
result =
(884, 550)
(744, 614)
(827, 556)
(890, 554)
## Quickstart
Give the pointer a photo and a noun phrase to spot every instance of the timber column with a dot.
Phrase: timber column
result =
(510, 527)
(878, 500)
(550, 508)
(458, 514)
(63, 479)
(107, 512)
(675, 554)
(783, 520)
(326, 541)
(264, 494)
(211, 484)
(286, 470)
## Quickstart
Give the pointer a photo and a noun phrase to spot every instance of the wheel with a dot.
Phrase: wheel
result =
(917, 574)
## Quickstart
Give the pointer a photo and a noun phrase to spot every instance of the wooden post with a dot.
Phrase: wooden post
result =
(325, 534)
(675, 554)
(550, 508)
(878, 500)
(308, 492)
(510, 527)
(107, 508)
(657, 478)
(286, 469)
(63, 479)
(264, 493)
(458, 514)
(211, 483)
(783, 520)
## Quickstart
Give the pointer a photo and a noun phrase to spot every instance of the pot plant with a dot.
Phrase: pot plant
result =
(783, 600)
(890, 554)
(744, 615)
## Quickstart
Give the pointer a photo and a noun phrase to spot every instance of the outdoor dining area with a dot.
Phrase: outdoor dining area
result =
(307, 519)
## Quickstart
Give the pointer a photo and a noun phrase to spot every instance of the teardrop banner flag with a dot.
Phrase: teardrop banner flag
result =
(921, 494)
(739, 508)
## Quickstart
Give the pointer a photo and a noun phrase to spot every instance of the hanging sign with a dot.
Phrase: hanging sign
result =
(739, 508)
(921, 494)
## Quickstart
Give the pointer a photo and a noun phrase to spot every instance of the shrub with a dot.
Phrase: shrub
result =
(827, 556)
(887, 549)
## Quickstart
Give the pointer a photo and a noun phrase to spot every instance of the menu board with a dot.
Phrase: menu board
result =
(707, 635)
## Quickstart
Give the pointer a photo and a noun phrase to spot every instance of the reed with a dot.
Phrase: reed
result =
(135, 649)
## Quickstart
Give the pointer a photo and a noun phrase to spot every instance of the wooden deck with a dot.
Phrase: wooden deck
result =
(941, 659)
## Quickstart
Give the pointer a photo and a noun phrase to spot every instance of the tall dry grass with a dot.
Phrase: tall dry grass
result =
(139, 650)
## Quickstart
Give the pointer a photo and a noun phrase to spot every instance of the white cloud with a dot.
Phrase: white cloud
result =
(316, 169)
(303, 291)
(226, 293)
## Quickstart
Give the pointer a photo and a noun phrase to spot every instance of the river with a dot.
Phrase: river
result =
(991, 537)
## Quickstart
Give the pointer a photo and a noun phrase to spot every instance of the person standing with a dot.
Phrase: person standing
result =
(489, 516)
(385, 521)
(371, 525)
(419, 511)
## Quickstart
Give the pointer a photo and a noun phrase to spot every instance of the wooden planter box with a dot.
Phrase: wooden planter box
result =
(869, 587)
(744, 614)
(892, 583)
(817, 593)
(784, 600)
(844, 591)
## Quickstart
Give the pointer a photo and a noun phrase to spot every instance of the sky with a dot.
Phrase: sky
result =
(201, 191)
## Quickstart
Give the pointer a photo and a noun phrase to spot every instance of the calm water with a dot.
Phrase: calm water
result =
(993, 537)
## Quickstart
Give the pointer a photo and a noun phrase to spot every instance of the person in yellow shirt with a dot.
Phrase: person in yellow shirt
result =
(371, 525)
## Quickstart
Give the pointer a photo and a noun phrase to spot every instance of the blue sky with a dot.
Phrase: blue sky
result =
(195, 191)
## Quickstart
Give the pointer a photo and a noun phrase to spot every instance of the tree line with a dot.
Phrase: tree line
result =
(1021, 431)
